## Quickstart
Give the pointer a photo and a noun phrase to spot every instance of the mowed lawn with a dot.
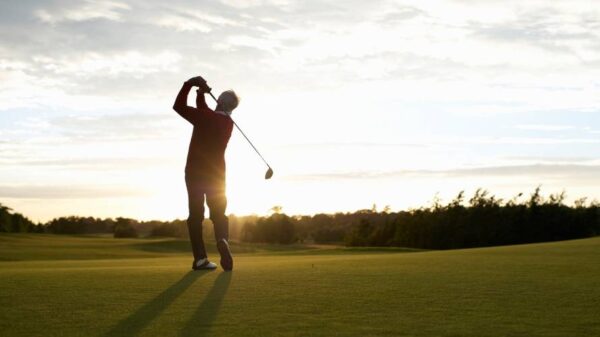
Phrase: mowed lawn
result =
(84, 286)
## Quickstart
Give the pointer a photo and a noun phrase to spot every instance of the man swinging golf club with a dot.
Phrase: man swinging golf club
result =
(205, 168)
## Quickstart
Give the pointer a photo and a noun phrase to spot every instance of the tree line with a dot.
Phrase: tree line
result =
(120, 227)
(12, 222)
(482, 220)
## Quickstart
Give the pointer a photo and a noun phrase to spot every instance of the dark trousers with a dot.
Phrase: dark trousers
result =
(216, 200)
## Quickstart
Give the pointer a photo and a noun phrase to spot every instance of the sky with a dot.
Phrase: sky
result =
(353, 103)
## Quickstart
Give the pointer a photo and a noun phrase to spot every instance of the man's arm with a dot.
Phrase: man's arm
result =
(200, 100)
(191, 114)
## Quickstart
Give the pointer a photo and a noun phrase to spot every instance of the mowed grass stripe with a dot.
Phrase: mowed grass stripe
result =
(27, 247)
(534, 290)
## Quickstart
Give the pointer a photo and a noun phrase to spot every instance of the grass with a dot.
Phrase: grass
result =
(21, 247)
(83, 286)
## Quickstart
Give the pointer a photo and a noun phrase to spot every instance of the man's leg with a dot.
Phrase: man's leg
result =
(217, 204)
(196, 216)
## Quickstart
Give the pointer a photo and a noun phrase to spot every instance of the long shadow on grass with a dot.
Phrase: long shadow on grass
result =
(133, 324)
(202, 319)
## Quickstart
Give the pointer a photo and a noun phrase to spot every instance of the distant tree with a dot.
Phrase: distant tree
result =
(176, 229)
(14, 222)
(360, 235)
(580, 203)
(5, 219)
(124, 228)
(536, 198)
(248, 232)
(286, 233)
(277, 228)
(79, 225)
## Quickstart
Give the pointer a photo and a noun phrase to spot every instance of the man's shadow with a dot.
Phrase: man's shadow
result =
(133, 324)
(201, 321)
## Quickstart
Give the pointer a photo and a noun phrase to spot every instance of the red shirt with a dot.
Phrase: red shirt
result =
(212, 131)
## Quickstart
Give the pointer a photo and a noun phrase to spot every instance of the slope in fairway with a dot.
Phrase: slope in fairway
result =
(529, 290)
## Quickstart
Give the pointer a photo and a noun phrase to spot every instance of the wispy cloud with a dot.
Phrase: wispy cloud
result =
(114, 127)
(68, 192)
(190, 20)
(129, 63)
(516, 140)
(96, 163)
(540, 171)
(554, 159)
(544, 127)
(91, 127)
(339, 145)
(86, 10)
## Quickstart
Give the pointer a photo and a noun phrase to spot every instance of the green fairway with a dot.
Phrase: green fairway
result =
(85, 286)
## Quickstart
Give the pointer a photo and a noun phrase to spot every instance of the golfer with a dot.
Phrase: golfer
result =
(205, 168)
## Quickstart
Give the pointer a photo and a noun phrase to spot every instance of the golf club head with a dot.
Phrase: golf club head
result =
(269, 173)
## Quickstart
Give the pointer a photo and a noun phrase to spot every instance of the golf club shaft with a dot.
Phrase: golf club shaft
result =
(243, 134)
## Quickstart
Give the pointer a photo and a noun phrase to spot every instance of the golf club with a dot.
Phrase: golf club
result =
(269, 173)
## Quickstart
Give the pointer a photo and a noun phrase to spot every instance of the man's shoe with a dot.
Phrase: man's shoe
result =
(203, 264)
(226, 259)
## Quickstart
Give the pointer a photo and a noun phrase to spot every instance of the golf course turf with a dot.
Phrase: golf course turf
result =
(89, 286)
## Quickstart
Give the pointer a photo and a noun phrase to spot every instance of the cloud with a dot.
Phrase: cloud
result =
(129, 63)
(541, 171)
(544, 127)
(546, 26)
(245, 4)
(186, 20)
(92, 127)
(88, 10)
(301, 44)
(183, 24)
(554, 159)
(97, 163)
(114, 127)
(512, 140)
(67, 192)
(352, 145)
(93, 142)
(401, 14)
(543, 141)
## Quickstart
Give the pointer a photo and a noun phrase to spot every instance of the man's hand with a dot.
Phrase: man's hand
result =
(199, 82)
(196, 81)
